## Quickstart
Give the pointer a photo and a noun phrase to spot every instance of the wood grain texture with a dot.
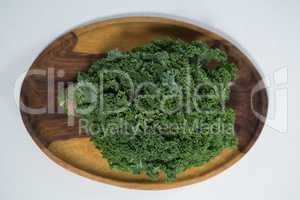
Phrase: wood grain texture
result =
(76, 50)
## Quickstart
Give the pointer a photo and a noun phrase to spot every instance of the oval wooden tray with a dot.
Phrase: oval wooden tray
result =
(76, 50)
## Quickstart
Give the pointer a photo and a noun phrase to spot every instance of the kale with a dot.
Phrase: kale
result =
(159, 107)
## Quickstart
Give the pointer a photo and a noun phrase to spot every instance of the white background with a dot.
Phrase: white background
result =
(268, 30)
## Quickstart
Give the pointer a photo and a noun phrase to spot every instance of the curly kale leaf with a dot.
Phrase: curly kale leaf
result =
(158, 107)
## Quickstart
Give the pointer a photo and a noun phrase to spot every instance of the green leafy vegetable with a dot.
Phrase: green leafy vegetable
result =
(158, 108)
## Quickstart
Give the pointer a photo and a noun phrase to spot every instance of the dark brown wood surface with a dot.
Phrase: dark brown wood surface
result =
(76, 50)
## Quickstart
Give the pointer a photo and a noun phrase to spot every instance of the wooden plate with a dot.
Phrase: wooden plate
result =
(76, 50)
